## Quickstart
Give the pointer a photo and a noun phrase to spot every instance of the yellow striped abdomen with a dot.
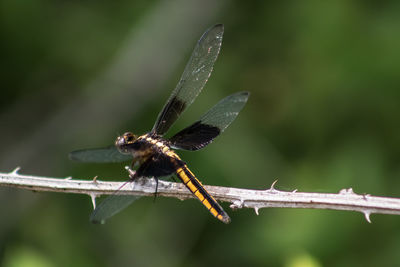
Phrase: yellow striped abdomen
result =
(195, 186)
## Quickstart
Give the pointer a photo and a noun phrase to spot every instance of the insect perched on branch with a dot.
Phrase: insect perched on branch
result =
(154, 154)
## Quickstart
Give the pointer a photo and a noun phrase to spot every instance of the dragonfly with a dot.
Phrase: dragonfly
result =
(155, 155)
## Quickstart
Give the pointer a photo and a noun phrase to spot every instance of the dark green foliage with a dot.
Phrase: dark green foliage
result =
(323, 115)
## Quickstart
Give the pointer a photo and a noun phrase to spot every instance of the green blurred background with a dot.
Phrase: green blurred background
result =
(322, 116)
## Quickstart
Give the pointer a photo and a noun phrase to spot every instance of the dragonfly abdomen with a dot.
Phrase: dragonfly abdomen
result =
(196, 187)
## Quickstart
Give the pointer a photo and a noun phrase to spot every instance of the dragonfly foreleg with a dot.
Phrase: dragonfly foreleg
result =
(132, 174)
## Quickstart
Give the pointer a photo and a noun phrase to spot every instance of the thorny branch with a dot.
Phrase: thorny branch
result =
(346, 199)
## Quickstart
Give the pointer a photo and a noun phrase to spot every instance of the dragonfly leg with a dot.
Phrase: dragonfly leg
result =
(155, 193)
(132, 174)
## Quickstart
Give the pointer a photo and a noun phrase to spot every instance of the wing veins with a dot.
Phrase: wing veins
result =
(211, 124)
(193, 79)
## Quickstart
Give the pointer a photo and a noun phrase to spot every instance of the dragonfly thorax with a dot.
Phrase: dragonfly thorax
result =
(141, 146)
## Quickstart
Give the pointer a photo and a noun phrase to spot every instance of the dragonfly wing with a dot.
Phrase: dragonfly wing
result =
(194, 77)
(211, 124)
(156, 166)
(111, 206)
(99, 155)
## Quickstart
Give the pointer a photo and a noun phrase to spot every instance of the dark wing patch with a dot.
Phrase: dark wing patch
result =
(194, 77)
(195, 137)
(99, 155)
(158, 165)
(169, 114)
(211, 124)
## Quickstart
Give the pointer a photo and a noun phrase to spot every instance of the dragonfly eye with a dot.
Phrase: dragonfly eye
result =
(129, 137)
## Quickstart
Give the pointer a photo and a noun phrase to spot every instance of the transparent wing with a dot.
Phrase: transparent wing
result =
(194, 77)
(157, 166)
(99, 155)
(211, 124)
(225, 111)
(111, 206)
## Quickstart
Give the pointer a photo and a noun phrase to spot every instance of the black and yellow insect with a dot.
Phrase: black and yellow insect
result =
(154, 154)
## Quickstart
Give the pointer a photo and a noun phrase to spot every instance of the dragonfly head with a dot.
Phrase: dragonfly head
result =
(124, 142)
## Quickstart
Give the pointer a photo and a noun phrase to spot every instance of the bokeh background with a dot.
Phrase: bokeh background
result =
(323, 115)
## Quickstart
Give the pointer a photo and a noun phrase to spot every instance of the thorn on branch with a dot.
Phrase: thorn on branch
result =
(347, 191)
(272, 188)
(367, 216)
(256, 210)
(93, 197)
(15, 171)
(94, 180)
